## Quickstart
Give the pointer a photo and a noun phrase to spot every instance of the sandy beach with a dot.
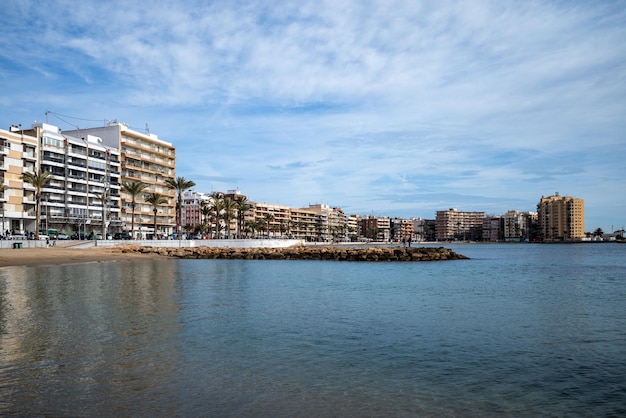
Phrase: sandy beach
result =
(58, 255)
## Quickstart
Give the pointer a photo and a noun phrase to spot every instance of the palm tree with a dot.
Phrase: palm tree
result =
(102, 198)
(155, 200)
(206, 211)
(134, 189)
(217, 207)
(38, 181)
(2, 187)
(179, 184)
(202, 227)
(229, 211)
(268, 218)
(242, 205)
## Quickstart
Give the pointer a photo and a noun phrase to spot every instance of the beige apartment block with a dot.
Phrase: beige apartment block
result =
(18, 154)
(331, 223)
(453, 224)
(304, 223)
(146, 158)
(561, 218)
(271, 220)
(352, 224)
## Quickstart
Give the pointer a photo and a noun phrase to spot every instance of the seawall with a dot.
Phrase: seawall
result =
(303, 253)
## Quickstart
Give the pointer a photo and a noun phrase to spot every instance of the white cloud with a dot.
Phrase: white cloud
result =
(350, 102)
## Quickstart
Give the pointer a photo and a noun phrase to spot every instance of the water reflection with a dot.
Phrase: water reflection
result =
(83, 328)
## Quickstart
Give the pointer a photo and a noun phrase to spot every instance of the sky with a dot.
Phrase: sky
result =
(387, 108)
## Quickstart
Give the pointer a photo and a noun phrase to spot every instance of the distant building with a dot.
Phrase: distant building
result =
(401, 229)
(376, 228)
(518, 226)
(193, 202)
(269, 219)
(492, 228)
(561, 218)
(452, 224)
(352, 224)
(331, 223)
(303, 223)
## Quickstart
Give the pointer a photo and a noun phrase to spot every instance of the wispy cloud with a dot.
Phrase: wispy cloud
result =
(400, 107)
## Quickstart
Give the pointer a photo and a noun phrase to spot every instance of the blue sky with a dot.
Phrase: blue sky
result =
(397, 108)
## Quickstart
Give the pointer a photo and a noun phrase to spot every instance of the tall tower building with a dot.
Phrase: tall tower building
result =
(144, 157)
(561, 218)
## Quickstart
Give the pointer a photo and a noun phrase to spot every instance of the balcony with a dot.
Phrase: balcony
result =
(53, 159)
(29, 156)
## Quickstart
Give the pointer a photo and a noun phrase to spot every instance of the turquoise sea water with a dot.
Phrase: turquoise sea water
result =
(518, 330)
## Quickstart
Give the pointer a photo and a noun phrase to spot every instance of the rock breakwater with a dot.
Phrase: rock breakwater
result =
(305, 253)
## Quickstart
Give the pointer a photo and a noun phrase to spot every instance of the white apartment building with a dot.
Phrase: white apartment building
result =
(193, 203)
(147, 158)
(83, 195)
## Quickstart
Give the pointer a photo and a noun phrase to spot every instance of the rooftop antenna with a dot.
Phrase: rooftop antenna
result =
(147, 129)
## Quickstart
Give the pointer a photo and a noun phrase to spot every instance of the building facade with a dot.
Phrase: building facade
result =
(453, 224)
(492, 228)
(144, 157)
(376, 228)
(83, 195)
(18, 154)
(193, 204)
(561, 218)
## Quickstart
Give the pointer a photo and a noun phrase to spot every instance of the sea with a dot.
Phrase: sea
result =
(518, 330)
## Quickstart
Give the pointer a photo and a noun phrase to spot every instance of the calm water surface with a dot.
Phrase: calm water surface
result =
(518, 330)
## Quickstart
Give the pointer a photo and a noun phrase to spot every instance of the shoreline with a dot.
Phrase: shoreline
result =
(31, 257)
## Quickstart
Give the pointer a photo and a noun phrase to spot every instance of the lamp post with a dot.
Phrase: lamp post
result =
(105, 204)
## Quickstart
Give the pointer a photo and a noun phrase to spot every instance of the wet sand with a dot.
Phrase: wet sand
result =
(59, 255)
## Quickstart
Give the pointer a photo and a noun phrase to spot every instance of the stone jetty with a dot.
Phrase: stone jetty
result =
(336, 253)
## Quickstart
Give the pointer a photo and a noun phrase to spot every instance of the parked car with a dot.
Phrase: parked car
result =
(63, 236)
(122, 235)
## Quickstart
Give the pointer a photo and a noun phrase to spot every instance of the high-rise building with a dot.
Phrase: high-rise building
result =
(146, 158)
(561, 218)
(453, 224)
(82, 196)
(517, 226)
